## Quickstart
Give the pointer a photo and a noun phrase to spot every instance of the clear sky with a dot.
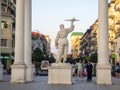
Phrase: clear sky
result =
(47, 15)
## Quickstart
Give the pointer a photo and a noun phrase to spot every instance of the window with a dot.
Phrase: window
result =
(3, 42)
(3, 8)
(4, 25)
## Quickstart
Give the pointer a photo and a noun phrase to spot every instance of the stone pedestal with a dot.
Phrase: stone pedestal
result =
(18, 73)
(60, 73)
(29, 73)
(1, 72)
(103, 74)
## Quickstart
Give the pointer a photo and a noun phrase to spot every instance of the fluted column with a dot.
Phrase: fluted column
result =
(28, 45)
(103, 66)
(1, 66)
(18, 68)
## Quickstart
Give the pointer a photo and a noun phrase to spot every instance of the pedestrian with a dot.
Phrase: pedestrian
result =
(76, 69)
(84, 72)
(89, 68)
(79, 70)
(117, 69)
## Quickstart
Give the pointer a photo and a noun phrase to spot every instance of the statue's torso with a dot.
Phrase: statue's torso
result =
(63, 34)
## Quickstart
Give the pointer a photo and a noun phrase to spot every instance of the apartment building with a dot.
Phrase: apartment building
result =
(7, 31)
(42, 42)
(75, 44)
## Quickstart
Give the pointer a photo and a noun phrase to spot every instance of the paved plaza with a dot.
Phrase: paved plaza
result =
(40, 83)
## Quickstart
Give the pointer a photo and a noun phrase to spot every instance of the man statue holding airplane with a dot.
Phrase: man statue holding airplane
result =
(61, 41)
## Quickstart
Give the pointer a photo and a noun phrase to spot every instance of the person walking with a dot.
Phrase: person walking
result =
(79, 70)
(75, 70)
(89, 68)
(117, 69)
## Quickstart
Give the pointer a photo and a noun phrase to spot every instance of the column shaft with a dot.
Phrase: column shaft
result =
(19, 33)
(103, 49)
(28, 33)
(1, 66)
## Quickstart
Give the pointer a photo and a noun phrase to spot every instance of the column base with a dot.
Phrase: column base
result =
(18, 73)
(60, 74)
(1, 72)
(103, 74)
(29, 73)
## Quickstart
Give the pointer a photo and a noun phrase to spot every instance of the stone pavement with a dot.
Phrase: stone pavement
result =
(40, 83)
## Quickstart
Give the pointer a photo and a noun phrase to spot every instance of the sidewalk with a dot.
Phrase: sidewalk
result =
(41, 84)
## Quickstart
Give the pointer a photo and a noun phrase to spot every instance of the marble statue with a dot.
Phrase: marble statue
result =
(61, 41)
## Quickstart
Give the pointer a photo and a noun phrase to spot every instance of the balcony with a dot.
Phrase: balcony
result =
(117, 7)
(111, 15)
(6, 50)
(118, 22)
(111, 27)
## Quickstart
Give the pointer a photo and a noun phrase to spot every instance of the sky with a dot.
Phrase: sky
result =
(47, 15)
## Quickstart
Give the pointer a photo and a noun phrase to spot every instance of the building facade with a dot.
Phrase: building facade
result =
(42, 42)
(75, 44)
(8, 9)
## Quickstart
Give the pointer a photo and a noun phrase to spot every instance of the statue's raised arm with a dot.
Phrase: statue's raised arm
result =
(71, 28)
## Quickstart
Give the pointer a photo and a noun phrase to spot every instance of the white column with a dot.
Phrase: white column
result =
(18, 68)
(1, 66)
(103, 66)
(28, 45)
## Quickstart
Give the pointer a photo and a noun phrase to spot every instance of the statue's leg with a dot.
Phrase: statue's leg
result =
(60, 51)
(65, 53)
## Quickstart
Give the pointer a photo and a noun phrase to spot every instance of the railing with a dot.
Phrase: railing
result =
(10, 4)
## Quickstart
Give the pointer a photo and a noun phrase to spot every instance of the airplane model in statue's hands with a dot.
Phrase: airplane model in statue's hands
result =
(73, 19)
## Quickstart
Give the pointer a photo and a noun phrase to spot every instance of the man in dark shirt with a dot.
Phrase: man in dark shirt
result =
(89, 68)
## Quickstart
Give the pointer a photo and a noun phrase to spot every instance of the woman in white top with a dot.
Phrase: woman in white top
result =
(80, 69)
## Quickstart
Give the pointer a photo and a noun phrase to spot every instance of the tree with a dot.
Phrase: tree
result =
(37, 55)
(70, 60)
(94, 58)
(51, 59)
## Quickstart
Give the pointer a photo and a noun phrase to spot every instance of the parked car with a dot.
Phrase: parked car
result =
(44, 67)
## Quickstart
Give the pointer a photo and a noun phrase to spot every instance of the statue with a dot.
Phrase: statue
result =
(61, 41)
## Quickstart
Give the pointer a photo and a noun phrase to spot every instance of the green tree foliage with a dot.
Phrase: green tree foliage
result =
(70, 60)
(94, 58)
(87, 58)
(37, 55)
(51, 59)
